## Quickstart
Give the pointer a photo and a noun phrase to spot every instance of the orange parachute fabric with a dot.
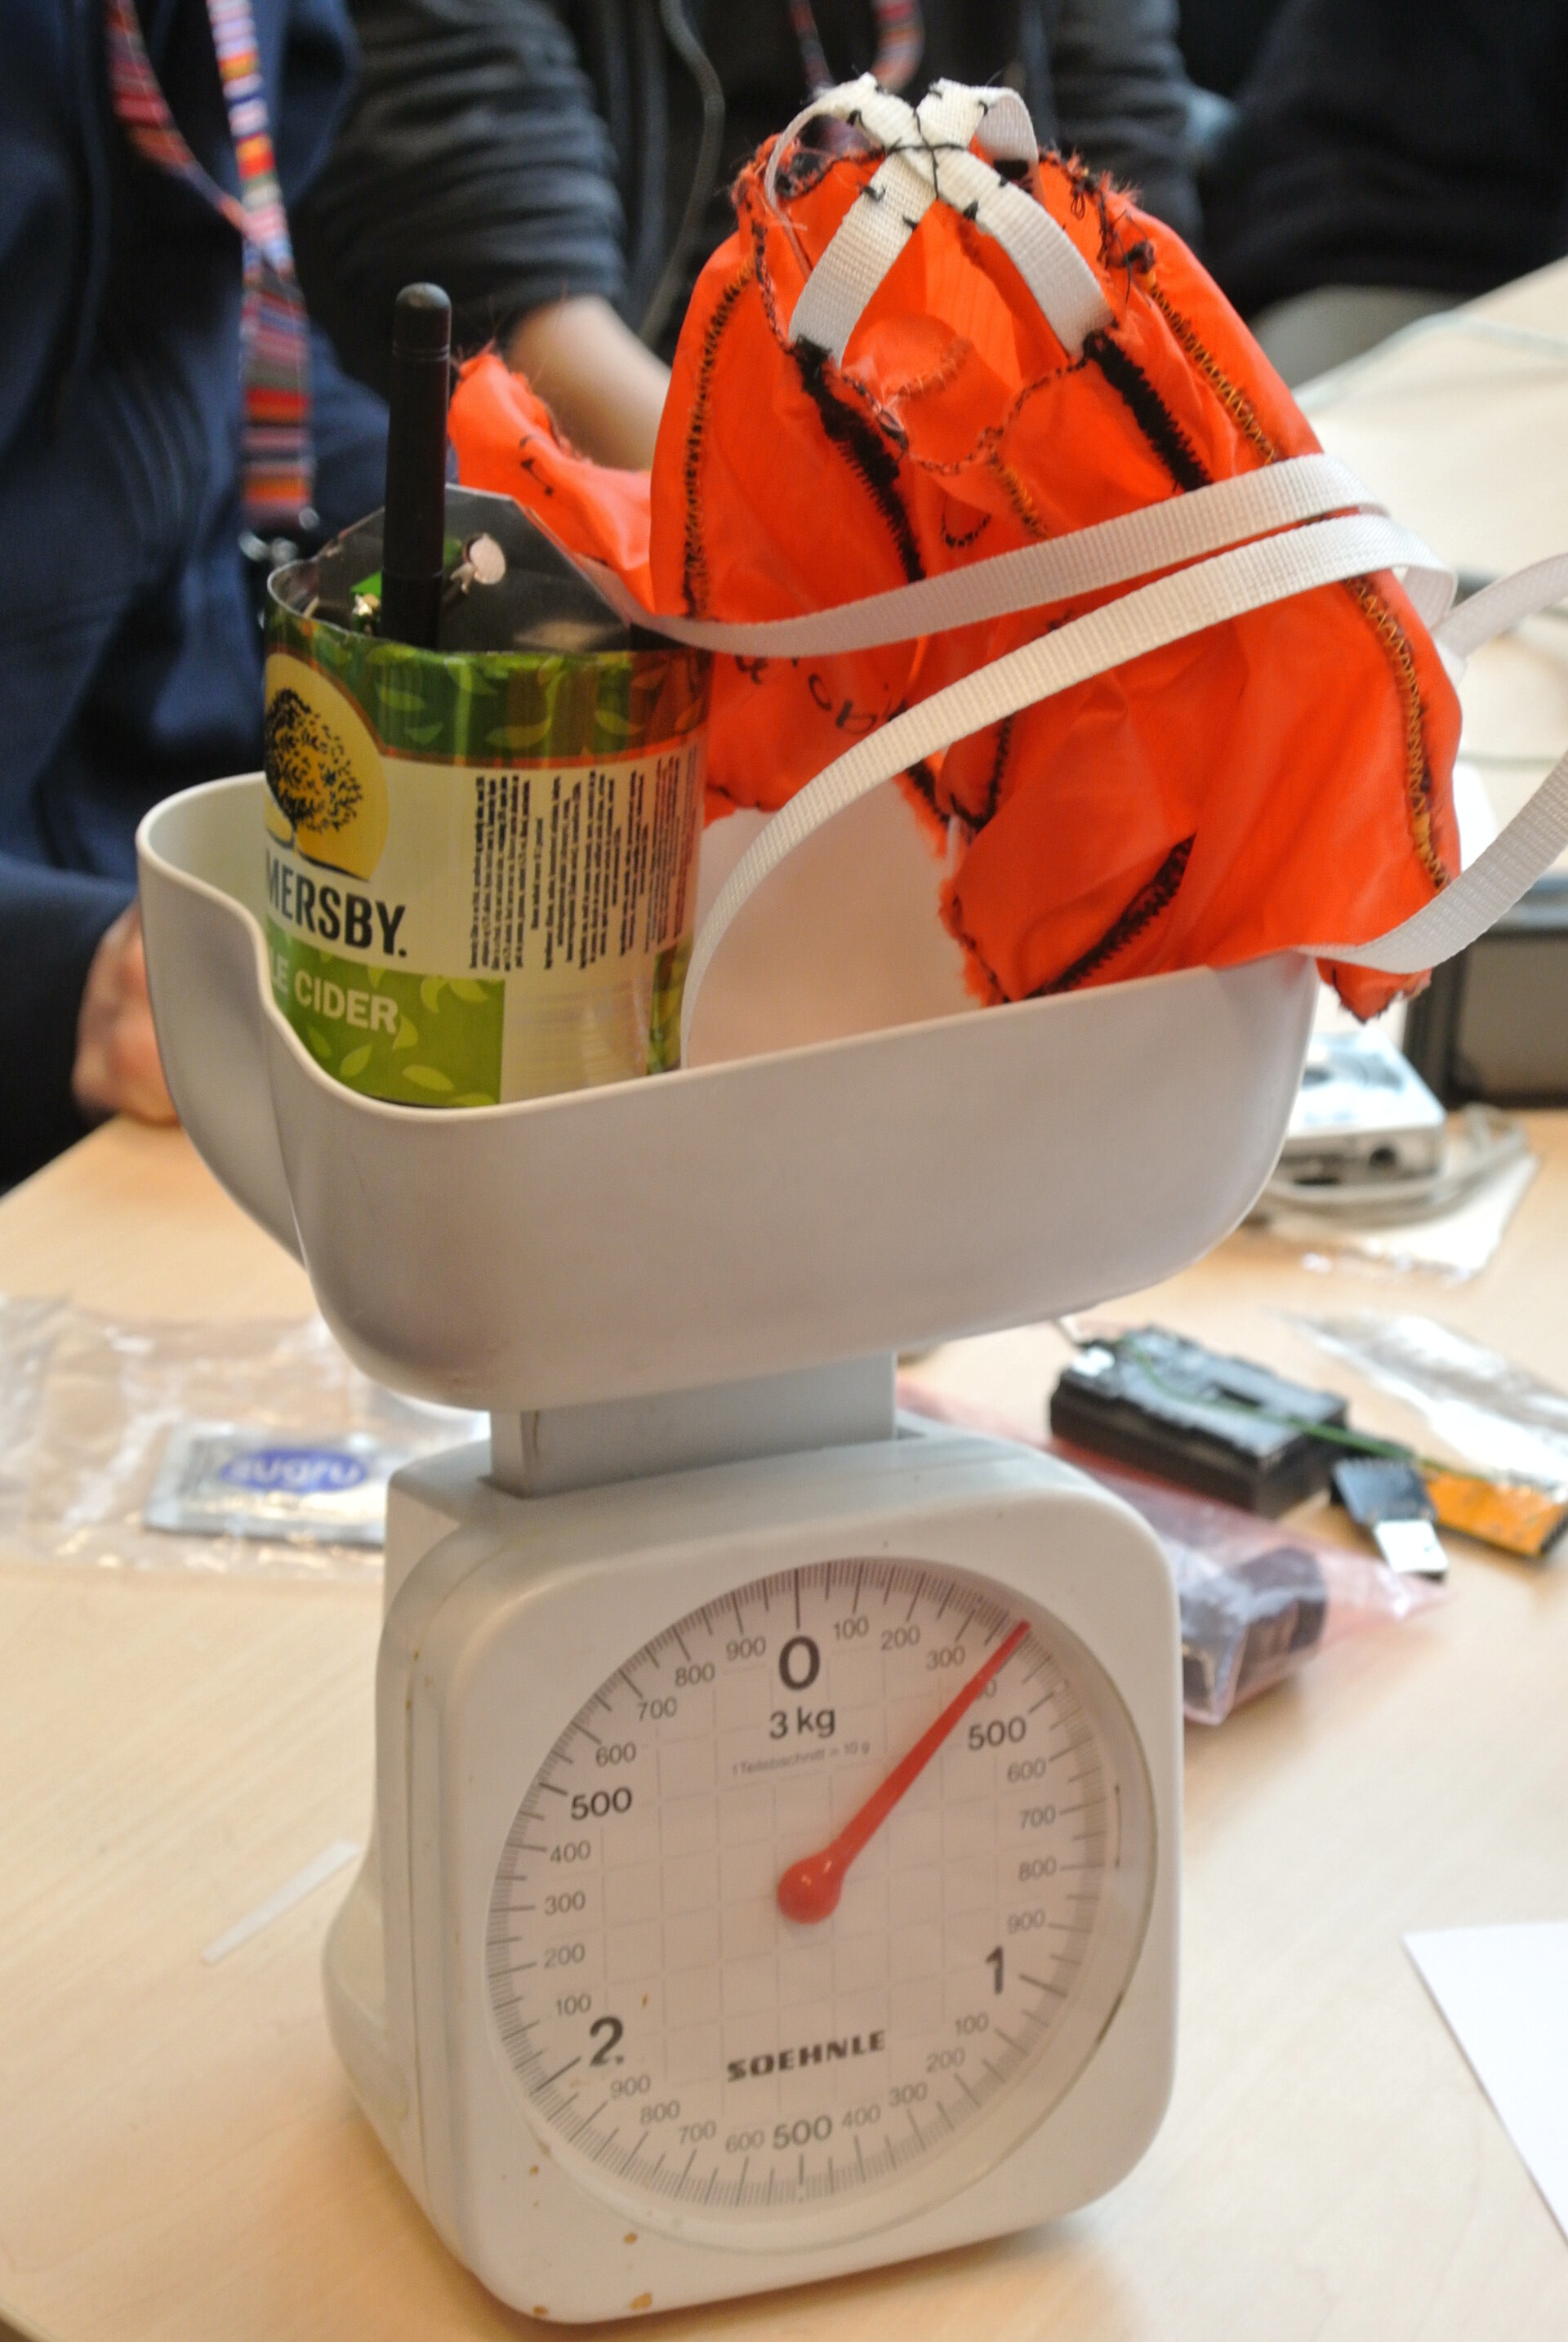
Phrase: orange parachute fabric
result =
(1276, 780)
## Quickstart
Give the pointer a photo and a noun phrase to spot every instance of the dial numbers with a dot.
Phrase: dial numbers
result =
(692, 2046)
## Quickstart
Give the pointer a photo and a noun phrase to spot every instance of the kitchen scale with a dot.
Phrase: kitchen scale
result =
(775, 1868)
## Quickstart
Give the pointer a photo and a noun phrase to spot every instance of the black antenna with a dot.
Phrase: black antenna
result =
(415, 521)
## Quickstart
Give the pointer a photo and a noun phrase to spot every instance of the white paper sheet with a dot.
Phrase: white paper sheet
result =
(1503, 1992)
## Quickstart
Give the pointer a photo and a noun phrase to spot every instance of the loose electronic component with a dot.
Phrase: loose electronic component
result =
(1220, 1424)
(1516, 1515)
(1387, 1496)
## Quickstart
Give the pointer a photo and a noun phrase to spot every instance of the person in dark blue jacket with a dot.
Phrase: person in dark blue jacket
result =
(130, 655)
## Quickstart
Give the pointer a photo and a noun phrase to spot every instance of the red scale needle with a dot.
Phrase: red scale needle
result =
(809, 1889)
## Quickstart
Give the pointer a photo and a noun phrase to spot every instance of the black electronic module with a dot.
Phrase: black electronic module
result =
(1220, 1424)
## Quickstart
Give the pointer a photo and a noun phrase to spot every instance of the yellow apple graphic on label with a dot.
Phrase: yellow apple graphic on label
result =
(326, 796)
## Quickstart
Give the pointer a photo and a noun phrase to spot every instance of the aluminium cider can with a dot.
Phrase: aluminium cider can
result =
(481, 860)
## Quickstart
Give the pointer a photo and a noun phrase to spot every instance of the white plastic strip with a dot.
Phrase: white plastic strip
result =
(885, 116)
(1247, 578)
(1069, 294)
(1502, 604)
(865, 246)
(1159, 536)
(1478, 897)
(327, 1864)
(929, 161)
(1533, 840)
(886, 212)
(1004, 133)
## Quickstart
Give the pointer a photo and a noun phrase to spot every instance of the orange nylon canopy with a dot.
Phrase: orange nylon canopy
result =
(1273, 781)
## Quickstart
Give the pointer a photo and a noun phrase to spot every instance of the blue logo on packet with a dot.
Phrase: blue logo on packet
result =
(298, 1471)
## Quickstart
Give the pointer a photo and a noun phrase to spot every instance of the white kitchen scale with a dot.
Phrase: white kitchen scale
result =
(774, 1870)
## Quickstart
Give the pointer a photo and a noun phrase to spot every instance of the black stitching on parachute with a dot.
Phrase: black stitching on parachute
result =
(864, 449)
(1148, 410)
(823, 143)
(694, 564)
(764, 282)
(998, 763)
(960, 538)
(1146, 907)
(923, 780)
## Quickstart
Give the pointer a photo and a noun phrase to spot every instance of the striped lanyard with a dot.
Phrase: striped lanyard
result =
(278, 468)
(899, 39)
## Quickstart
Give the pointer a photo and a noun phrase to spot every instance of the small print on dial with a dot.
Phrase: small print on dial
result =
(809, 1885)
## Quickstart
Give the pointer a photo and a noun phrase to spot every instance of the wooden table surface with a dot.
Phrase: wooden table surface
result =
(179, 2154)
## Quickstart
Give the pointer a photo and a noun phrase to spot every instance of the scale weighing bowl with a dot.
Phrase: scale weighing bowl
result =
(730, 1220)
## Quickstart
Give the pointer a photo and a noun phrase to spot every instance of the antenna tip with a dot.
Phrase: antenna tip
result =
(422, 323)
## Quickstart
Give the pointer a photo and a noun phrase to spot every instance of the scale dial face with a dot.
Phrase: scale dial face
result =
(694, 2053)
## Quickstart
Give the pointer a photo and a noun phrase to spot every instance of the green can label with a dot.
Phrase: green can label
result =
(459, 928)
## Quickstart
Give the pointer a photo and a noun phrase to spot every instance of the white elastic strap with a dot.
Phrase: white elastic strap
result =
(930, 162)
(1159, 536)
(1225, 587)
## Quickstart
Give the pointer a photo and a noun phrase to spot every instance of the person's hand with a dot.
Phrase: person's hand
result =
(117, 1069)
(606, 390)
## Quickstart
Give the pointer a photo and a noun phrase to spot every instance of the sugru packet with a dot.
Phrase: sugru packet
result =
(481, 860)
(221, 1479)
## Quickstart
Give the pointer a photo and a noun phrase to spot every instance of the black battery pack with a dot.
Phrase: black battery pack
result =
(1220, 1424)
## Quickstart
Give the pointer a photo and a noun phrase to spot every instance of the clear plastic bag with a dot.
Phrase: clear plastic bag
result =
(89, 1404)
(1258, 1596)
(1493, 1414)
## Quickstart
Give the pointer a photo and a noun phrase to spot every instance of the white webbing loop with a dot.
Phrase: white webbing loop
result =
(1522, 852)
(1157, 536)
(928, 160)
(1478, 897)
(1224, 586)
(1004, 133)
(1504, 603)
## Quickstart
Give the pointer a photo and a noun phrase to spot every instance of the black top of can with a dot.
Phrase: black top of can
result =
(422, 323)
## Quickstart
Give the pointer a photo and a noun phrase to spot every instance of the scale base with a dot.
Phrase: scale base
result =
(531, 1596)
